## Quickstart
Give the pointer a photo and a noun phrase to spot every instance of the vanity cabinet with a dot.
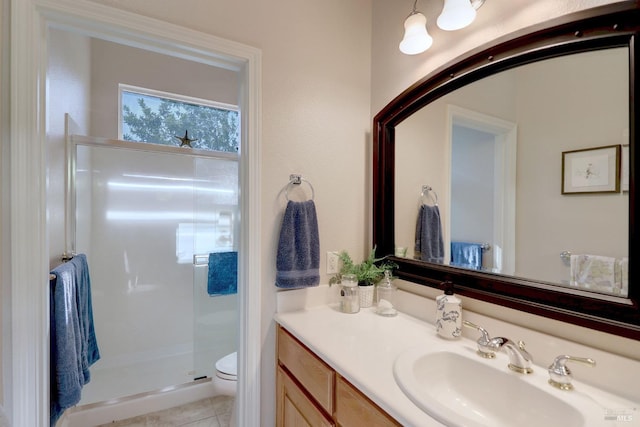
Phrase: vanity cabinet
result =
(311, 393)
(295, 408)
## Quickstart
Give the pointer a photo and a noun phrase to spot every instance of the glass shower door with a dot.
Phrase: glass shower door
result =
(215, 230)
(129, 204)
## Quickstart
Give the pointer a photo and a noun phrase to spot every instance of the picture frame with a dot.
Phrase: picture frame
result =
(591, 170)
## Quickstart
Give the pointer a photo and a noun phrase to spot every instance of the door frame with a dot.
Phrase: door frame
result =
(505, 144)
(27, 397)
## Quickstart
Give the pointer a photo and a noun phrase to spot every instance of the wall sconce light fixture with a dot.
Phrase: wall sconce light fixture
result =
(456, 14)
(416, 38)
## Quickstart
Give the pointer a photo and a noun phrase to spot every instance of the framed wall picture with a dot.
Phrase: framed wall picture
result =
(591, 170)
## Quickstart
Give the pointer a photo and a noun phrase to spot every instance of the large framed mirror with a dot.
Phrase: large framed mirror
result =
(524, 152)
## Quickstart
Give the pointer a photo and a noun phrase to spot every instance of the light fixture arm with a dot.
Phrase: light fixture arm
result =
(415, 6)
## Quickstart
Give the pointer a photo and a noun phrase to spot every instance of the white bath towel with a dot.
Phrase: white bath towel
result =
(623, 269)
(594, 272)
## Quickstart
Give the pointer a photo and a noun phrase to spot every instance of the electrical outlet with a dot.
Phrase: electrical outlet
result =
(332, 262)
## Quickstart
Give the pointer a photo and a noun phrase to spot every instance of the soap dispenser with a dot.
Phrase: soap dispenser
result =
(386, 296)
(448, 313)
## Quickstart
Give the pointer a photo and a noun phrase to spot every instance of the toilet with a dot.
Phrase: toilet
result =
(226, 379)
(225, 382)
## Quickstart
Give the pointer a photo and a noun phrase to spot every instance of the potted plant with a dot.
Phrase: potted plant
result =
(368, 273)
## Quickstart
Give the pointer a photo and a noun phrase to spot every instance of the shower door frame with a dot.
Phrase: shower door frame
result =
(27, 396)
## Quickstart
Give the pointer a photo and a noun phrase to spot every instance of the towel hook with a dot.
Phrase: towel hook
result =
(426, 189)
(296, 179)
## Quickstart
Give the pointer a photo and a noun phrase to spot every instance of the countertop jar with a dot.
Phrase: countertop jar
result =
(386, 296)
(349, 294)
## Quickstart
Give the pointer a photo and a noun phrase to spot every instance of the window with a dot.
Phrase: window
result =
(162, 118)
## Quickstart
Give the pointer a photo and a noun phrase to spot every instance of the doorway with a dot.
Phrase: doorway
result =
(30, 256)
(483, 180)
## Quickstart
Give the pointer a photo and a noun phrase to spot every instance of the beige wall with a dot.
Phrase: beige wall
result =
(392, 72)
(315, 118)
(548, 221)
(112, 64)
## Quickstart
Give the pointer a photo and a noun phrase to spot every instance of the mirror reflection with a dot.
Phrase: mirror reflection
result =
(491, 154)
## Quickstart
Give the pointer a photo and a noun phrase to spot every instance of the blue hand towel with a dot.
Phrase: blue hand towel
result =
(467, 255)
(429, 245)
(223, 273)
(298, 257)
(73, 344)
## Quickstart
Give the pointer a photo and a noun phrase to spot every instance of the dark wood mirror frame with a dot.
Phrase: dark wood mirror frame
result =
(616, 25)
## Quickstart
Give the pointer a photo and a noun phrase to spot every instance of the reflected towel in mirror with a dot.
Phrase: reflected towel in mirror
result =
(429, 245)
(623, 269)
(466, 255)
(594, 272)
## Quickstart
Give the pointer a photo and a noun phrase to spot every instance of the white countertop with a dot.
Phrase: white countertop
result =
(351, 344)
(363, 347)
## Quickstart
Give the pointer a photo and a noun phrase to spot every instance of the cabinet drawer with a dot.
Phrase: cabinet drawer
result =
(294, 407)
(311, 372)
(353, 409)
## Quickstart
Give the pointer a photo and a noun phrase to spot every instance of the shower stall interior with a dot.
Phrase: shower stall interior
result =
(147, 216)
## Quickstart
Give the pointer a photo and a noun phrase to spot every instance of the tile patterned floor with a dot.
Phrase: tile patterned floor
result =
(210, 412)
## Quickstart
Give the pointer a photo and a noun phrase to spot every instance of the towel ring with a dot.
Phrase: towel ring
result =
(425, 191)
(298, 180)
(565, 256)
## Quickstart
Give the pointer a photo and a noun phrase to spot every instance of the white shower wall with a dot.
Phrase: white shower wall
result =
(149, 314)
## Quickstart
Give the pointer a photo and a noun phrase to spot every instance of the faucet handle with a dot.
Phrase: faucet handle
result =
(560, 376)
(486, 346)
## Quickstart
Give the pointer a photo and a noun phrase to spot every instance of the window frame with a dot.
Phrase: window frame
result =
(122, 87)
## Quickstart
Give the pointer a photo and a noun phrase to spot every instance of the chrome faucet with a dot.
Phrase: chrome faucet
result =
(519, 359)
(560, 376)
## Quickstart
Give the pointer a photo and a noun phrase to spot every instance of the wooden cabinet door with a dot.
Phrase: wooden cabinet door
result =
(316, 377)
(294, 408)
(354, 409)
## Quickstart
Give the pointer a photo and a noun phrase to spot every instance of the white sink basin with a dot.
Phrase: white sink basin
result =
(458, 388)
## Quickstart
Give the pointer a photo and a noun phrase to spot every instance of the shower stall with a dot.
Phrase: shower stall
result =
(147, 216)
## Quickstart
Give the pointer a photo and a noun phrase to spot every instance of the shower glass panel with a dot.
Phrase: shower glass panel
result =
(216, 229)
(139, 216)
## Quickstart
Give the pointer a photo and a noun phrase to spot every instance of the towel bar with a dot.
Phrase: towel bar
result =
(565, 256)
(68, 256)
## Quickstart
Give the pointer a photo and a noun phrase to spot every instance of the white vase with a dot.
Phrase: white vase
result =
(366, 296)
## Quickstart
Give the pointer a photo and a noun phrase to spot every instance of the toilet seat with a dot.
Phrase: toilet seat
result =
(227, 367)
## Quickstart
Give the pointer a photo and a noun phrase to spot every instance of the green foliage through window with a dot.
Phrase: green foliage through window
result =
(158, 120)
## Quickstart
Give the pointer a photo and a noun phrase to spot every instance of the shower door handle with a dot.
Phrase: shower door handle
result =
(200, 260)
